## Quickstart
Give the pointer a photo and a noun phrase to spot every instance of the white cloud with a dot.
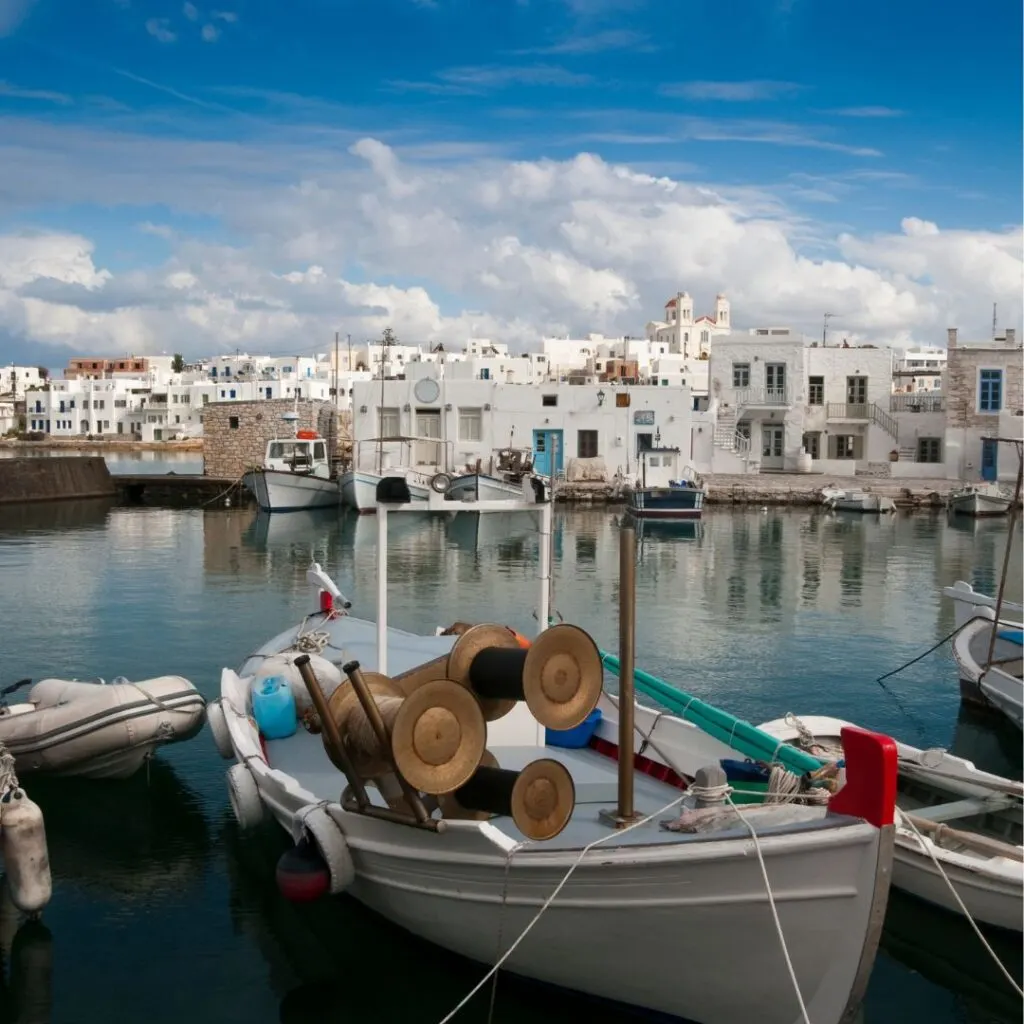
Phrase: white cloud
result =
(867, 112)
(478, 79)
(190, 11)
(510, 249)
(731, 92)
(159, 29)
(210, 33)
(229, 16)
(597, 42)
(44, 95)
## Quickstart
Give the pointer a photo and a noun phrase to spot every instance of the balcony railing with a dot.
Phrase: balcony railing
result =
(848, 411)
(762, 396)
(918, 402)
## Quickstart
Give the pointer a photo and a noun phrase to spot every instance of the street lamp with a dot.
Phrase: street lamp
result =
(600, 397)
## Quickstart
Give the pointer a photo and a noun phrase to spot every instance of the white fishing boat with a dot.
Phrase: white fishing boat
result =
(96, 729)
(992, 665)
(950, 814)
(481, 487)
(415, 460)
(968, 604)
(856, 500)
(295, 476)
(470, 824)
(985, 499)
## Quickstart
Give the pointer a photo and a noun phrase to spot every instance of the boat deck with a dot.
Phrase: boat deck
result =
(595, 776)
(1007, 654)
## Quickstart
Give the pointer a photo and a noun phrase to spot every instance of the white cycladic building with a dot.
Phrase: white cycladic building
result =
(16, 380)
(919, 369)
(587, 431)
(777, 395)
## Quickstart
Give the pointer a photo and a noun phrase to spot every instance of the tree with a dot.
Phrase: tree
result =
(178, 363)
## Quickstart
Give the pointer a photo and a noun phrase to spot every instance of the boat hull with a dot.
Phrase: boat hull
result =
(666, 503)
(1001, 685)
(358, 490)
(480, 487)
(277, 491)
(100, 731)
(979, 505)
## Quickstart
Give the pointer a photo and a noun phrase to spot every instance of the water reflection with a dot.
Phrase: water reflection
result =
(52, 516)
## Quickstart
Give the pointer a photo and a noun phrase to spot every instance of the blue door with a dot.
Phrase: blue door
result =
(989, 459)
(547, 451)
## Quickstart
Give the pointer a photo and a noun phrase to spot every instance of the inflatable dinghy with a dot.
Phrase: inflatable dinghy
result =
(98, 729)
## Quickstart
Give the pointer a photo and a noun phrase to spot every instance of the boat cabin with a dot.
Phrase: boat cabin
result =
(659, 467)
(305, 453)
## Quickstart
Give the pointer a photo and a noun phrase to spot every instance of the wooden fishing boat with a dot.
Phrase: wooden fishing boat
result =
(950, 814)
(986, 499)
(487, 810)
(856, 500)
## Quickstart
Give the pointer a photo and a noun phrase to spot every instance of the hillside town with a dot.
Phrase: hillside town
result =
(730, 401)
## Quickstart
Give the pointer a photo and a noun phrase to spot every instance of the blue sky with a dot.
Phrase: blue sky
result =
(161, 132)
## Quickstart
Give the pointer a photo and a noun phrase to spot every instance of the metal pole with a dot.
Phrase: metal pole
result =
(627, 647)
(544, 604)
(382, 589)
(1006, 557)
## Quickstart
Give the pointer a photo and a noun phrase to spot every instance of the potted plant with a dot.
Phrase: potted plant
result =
(894, 455)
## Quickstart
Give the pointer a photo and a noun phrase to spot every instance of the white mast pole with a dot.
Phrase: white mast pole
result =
(382, 589)
(544, 604)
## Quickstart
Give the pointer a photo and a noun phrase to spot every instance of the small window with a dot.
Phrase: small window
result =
(990, 390)
(586, 444)
(812, 444)
(741, 375)
(231, 393)
(815, 390)
(389, 422)
(621, 399)
(233, 422)
(549, 400)
(929, 449)
(844, 446)
(654, 460)
(470, 424)
(320, 450)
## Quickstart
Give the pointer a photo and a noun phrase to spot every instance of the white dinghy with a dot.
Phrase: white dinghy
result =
(950, 812)
(96, 729)
(455, 788)
(856, 500)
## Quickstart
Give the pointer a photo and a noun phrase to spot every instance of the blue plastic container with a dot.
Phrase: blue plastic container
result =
(273, 707)
(579, 736)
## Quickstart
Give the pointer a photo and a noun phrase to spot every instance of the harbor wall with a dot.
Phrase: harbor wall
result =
(235, 434)
(54, 479)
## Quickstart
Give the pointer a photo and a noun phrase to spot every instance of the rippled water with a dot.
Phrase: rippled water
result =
(151, 462)
(162, 912)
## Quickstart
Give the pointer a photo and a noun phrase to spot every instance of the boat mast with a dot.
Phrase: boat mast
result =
(386, 341)
(1009, 544)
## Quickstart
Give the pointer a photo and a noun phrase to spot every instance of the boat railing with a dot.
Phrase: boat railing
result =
(406, 444)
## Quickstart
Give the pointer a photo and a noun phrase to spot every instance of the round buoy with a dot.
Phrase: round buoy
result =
(302, 874)
(219, 729)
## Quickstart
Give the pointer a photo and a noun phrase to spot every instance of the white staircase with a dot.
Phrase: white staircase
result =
(728, 438)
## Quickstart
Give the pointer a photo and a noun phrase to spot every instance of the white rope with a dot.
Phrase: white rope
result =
(775, 913)
(904, 821)
(547, 903)
(8, 776)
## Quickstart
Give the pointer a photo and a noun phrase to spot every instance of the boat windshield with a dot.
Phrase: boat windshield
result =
(289, 449)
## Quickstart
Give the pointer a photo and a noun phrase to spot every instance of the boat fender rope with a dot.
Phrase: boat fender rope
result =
(903, 820)
(551, 899)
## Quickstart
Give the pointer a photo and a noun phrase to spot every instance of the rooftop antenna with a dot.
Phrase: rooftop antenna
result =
(995, 319)
(824, 330)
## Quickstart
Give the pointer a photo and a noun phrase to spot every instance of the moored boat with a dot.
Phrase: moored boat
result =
(490, 849)
(985, 499)
(99, 730)
(856, 500)
(296, 475)
(664, 492)
(950, 812)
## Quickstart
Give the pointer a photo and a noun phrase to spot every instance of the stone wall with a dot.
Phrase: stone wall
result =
(236, 434)
(962, 384)
(54, 479)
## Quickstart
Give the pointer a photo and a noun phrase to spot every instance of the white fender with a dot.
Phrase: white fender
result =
(219, 727)
(26, 858)
(317, 823)
(244, 795)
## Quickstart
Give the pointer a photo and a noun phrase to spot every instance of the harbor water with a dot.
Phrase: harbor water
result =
(163, 912)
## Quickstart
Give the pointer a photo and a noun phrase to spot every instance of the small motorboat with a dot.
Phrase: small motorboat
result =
(948, 811)
(664, 492)
(295, 475)
(96, 729)
(856, 500)
(987, 499)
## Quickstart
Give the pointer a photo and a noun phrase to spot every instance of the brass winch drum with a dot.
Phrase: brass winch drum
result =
(438, 737)
(343, 703)
(559, 676)
(540, 799)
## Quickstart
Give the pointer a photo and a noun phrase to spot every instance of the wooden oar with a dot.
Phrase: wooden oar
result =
(1007, 786)
(982, 844)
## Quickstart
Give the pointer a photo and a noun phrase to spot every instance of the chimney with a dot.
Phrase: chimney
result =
(951, 337)
(1011, 336)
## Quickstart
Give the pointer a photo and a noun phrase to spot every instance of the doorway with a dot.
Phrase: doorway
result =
(772, 441)
(547, 452)
(989, 460)
(428, 425)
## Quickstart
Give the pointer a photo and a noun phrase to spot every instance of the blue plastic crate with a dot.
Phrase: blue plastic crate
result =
(577, 737)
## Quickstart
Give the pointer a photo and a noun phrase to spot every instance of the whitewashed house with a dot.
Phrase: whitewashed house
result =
(16, 380)
(919, 370)
(586, 431)
(985, 399)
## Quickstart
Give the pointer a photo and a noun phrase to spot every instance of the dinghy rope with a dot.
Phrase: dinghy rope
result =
(903, 820)
(8, 776)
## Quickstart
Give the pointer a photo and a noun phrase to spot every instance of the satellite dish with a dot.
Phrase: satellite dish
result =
(426, 390)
